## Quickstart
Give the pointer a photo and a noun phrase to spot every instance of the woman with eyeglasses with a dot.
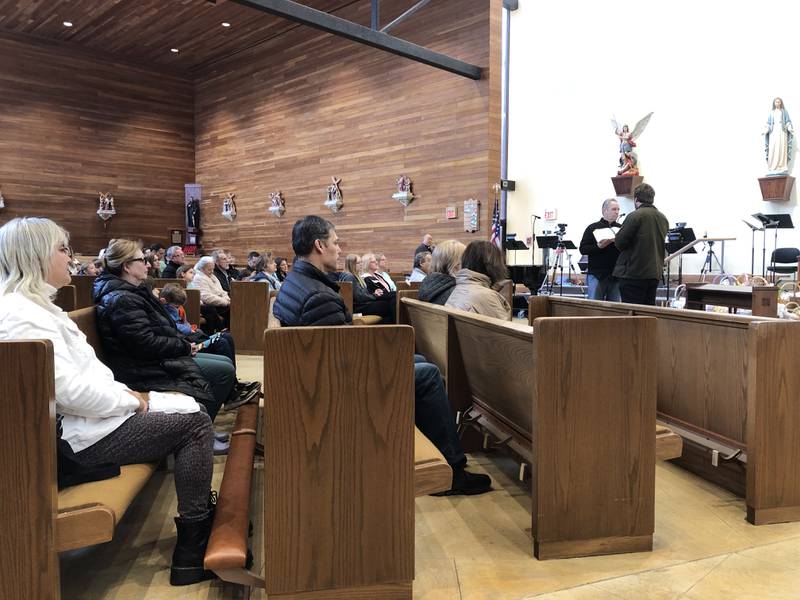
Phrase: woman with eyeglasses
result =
(103, 420)
(141, 343)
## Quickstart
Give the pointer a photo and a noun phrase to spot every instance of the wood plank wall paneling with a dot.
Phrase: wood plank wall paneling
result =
(73, 126)
(290, 114)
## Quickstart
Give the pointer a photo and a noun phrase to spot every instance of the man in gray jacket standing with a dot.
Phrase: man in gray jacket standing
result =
(642, 249)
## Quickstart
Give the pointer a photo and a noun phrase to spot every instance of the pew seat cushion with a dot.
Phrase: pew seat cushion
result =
(432, 474)
(366, 320)
(669, 444)
(89, 512)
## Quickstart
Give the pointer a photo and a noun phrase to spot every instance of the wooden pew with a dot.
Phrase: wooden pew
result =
(36, 519)
(363, 521)
(728, 384)
(249, 315)
(587, 432)
(66, 299)
(83, 290)
(346, 292)
(344, 524)
(29, 501)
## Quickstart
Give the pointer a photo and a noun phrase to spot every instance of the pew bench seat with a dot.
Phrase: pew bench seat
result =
(89, 512)
(432, 474)
(669, 444)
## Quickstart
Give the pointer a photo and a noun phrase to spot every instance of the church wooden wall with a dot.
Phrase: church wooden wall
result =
(73, 125)
(306, 106)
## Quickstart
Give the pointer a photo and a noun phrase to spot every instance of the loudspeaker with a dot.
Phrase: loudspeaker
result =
(508, 185)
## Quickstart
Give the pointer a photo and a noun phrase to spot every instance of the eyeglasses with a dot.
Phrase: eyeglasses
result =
(137, 260)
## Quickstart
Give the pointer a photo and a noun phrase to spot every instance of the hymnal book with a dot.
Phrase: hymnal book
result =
(609, 233)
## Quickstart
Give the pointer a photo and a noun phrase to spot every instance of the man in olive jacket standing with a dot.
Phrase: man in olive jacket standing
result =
(641, 244)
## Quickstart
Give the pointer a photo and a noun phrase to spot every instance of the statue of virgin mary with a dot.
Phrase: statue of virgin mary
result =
(778, 134)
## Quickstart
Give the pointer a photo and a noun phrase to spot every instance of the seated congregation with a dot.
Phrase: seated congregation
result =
(141, 381)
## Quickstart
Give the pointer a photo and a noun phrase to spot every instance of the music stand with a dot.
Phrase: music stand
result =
(753, 230)
(766, 223)
(514, 245)
(782, 221)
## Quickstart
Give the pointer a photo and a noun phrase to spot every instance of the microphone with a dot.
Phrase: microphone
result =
(619, 216)
(537, 216)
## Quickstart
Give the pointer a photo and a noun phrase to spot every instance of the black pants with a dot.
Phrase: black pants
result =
(638, 291)
(432, 415)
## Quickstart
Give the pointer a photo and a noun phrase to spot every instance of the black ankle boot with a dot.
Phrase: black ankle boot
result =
(190, 550)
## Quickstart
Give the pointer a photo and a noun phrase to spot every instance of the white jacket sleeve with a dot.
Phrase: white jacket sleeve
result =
(85, 387)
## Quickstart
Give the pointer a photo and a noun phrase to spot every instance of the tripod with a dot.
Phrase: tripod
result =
(711, 256)
(557, 267)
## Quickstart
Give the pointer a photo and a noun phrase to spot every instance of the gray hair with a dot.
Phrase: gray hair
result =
(171, 251)
(215, 254)
(607, 203)
(420, 258)
(27, 246)
(205, 260)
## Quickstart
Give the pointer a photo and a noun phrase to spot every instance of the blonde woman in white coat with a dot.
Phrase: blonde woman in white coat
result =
(102, 420)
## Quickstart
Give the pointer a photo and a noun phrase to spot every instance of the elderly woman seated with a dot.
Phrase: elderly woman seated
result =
(103, 420)
(214, 301)
(440, 282)
(482, 267)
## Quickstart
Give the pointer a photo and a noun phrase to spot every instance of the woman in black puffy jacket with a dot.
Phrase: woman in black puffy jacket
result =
(141, 343)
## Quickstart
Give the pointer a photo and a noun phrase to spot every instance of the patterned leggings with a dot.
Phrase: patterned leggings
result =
(149, 437)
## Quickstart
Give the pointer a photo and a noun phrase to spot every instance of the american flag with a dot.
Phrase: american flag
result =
(495, 239)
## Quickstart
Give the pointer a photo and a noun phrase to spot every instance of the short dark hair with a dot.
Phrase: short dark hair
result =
(173, 294)
(644, 193)
(484, 257)
(156, 247)
(308, 230)
(259, 264)
(252, 254)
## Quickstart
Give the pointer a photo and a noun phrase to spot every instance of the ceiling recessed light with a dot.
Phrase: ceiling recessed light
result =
(67, 23)
(175, 50)
(226, 24)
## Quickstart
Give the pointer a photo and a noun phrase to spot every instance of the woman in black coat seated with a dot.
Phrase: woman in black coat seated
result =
(438, 285)
(141, 343)
(366, 302)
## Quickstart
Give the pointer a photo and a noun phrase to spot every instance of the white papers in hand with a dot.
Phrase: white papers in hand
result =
(609, 233)
(172, 403)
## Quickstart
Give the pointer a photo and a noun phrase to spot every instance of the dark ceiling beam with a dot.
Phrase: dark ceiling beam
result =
(376, 14)
(405, 15)
(300, 13)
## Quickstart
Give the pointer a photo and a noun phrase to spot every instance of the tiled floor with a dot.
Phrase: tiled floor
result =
(479, 548)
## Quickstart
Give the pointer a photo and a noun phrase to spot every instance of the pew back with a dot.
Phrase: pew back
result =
(346, 292)
(553, 393)
(729, 379)
(250, 302)
(345, 442)
(28, 502)
(66, 299)
(83, 290)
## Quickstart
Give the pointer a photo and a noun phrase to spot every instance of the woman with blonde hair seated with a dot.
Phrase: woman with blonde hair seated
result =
(214, 300)
(482, 267)
(365, 302)
(103, 420)
(445, 264)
